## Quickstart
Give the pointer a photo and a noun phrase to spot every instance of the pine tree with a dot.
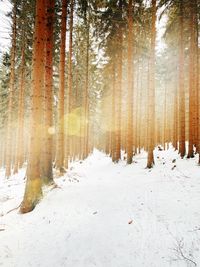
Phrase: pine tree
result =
(151, 95)
(47, 169)
(118, 94)
(8, 157)
(130, 84)
(33, 190)
(69, 89)
(193, 103)
(61, 119)
(181, 87)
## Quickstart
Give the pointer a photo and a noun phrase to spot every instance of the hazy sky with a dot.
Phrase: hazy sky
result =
(5, 26)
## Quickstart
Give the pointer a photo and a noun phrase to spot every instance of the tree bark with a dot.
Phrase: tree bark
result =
(119, 86)
(8, 157)
(61, 97)
(33, 190)
(151, 95)
(86, 93)
(130, 84)
(47, 168)
(192, 84)
(19, 157)
(113, 145)
(69, 139)
(181, 88)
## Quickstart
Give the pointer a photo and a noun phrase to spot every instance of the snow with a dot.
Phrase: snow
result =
(107, 215)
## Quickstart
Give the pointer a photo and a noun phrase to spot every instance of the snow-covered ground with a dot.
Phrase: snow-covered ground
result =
(107, 215)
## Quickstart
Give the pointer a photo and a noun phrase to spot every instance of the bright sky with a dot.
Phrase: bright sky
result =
(5, 26)
(160, 26)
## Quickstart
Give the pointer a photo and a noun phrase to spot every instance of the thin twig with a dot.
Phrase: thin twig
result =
(10, 210)
(180, 252)
(185, 258)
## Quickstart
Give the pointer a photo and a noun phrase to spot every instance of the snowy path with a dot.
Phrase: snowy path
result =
(107, 215)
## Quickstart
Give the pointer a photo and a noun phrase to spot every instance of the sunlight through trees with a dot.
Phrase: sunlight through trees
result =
(81, 75)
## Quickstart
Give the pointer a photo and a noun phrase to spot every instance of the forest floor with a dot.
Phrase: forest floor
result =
(107, 215)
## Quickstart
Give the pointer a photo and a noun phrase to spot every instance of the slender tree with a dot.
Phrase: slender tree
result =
(61, 119)
(192, 81)
(130, 84)
(68, 145)
(181, 86)
(19, 156)
(151, 95)
(113, 112)
(86, 92)
(11, 94)
(119, 81)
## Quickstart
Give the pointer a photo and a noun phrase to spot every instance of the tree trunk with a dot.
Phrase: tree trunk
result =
(86, 93)
(19, 157)
(68, 145)
(192, 83)
(33, 190)
(61, 118)
(119, 86)
(175, 124)
(130, 84)
(181, 88)
(165, 118)
(47, 170)
(8, 158)
(113, 145)
(151, 95)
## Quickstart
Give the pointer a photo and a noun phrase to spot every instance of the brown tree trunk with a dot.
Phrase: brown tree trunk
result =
(192, 84)
(181, 88)
(69, 138)
(86, 93)
(119, 87)
(141, 132)
(175, 124)
(19, 157)
(197, 79)
(47, 168)
(113, 145)
(165, 118)
(33, 190)
(130, 84)
(151, 95)
(61, 97)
